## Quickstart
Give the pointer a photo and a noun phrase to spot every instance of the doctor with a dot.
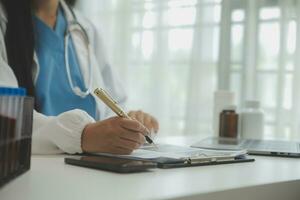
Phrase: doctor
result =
(58, 56)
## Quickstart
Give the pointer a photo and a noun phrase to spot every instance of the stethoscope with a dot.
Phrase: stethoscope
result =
(72, 27)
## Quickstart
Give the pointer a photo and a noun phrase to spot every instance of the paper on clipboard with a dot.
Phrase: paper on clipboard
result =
(177, 152)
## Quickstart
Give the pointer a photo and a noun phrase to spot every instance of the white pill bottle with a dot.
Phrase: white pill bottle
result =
(252, 121)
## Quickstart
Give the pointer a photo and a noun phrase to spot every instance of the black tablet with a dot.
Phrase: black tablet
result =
(113, 164)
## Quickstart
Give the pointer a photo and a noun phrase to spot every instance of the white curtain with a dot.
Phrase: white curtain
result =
(166, 52)
(259, 59)
(173, 54)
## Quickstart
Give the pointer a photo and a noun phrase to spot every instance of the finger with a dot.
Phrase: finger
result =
(140, 116)
(151, 123)
(133, 136)
(148, 123)
(155, 124)
(131, 114)
(133, 125)
(127, 144)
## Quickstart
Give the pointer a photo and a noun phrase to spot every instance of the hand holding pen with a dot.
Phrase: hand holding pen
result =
(116, 135)
(143, 118)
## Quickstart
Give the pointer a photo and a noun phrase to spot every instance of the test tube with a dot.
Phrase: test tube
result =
(17, 101)
(10, 131)
(2, 141)
(4, 131)
(28, 106)
(19, 136)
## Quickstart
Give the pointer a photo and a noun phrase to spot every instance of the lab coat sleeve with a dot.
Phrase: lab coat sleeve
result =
(51, 135)
(59, 134)
(111, 78)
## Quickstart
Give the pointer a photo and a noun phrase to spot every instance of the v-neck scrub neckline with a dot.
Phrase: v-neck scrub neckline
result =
(53, 91)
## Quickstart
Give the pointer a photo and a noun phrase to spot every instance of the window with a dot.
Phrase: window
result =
(167, 53)
(173, 54)
(262, 35)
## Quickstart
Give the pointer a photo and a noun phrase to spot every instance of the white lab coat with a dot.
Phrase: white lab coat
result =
(58, 134)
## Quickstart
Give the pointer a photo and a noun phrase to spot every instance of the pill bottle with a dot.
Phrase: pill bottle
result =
(252, 121)
(229, 121)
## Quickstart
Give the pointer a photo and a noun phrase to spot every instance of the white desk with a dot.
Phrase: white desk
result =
(51, 179)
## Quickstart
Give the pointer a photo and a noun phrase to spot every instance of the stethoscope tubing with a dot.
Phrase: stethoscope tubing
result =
(77, 90)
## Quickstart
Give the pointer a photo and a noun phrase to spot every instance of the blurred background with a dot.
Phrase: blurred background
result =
(173, 54)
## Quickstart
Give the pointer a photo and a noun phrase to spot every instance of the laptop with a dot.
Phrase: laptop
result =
(253, 146)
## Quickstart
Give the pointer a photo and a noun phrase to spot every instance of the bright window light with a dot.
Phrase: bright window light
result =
(291, 37)
(180, 3)
(269, 13)
(149, 20)
(147, 44)
(180, 16)
(269, 45)
(238, 16)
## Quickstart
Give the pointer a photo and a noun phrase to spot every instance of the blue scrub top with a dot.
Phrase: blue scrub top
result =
(53, 91)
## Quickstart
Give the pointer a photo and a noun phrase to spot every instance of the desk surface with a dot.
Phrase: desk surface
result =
(49, 178)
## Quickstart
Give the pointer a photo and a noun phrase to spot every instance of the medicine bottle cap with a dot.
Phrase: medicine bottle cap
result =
(230, 107)
(252, 104)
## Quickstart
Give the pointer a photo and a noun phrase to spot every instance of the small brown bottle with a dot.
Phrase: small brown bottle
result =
(229, 122)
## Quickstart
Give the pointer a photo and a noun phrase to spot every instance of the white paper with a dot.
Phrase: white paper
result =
(178, 152)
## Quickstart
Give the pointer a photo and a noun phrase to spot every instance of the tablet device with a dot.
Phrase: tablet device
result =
(113, 164)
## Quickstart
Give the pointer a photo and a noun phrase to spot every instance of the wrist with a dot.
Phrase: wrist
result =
(84, 137)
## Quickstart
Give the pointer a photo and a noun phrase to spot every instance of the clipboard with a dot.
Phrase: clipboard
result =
(170, 163)
(196, 157)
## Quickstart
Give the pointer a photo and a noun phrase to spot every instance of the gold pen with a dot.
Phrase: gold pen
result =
(112, 104)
